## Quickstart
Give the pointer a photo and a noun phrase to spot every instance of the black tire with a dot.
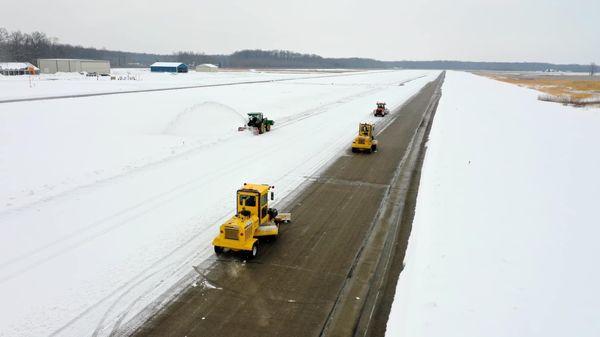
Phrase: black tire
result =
(272, 213)
(218, 250)
(354, 150)
(254, 252)
(374, 148)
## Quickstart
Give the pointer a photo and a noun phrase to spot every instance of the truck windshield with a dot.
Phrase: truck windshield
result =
(248, 200)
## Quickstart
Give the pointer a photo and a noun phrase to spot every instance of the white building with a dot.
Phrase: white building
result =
(51, 66)
(207, 67)
(18, 68)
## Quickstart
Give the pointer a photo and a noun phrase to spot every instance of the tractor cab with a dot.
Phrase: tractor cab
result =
(365, 141)
(258, 121)
(381, 110)
(255, 118)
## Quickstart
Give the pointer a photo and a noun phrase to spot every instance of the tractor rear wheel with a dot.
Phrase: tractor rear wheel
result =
(261, 129)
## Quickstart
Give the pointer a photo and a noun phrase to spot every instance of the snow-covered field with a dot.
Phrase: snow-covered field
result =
(107, 201)
(505, 236)
(49, 85)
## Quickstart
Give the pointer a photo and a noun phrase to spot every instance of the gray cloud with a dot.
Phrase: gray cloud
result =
(494, 30)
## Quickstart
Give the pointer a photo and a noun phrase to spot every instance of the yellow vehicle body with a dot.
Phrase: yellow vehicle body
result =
(253, 219)
(365, 141)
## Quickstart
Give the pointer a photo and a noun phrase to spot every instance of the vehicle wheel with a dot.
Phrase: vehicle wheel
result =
(261, 129)
(254, 252)
(218, 250)
(374, 148)
(268, 128)
(354, 150)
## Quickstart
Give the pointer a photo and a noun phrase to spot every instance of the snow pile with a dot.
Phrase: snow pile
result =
(205, 120)
(504, 240)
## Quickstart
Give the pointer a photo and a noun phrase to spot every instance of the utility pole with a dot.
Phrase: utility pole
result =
(592, 69)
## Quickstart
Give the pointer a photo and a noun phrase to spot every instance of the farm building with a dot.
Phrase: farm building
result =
(207, 67)
(51, 66)
(168, 67)
(18, 68)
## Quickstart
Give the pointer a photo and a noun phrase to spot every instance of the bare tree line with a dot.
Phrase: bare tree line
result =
(28, 47)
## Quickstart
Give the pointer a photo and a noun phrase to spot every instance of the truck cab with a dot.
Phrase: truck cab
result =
(365, 141)
(254, 200)
(253, 219)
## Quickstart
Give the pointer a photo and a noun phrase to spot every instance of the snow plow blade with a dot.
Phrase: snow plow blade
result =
(283, 218)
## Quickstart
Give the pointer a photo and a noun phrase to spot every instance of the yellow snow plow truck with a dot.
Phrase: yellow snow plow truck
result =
(253, 219)
(365, 141)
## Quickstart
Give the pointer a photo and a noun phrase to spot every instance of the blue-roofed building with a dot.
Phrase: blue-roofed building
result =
(169, 67)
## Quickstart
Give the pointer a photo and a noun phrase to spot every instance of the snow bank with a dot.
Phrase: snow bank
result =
(206, 119)
(504, 240)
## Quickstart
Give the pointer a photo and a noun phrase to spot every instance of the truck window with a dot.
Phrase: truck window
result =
(248, 200)
(263, 212)
(264, 199)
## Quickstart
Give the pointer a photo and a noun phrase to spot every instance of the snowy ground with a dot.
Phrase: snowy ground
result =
(107, 201)
(48, 85)
(504, 240)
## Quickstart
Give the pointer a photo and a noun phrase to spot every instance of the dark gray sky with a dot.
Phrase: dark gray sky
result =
(557, 31)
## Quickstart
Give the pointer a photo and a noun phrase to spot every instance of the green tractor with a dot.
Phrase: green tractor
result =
(260, 122)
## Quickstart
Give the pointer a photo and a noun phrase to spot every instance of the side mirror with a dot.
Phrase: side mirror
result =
(272, 195)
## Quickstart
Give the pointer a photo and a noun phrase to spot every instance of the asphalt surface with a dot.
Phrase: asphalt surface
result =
(304, 283)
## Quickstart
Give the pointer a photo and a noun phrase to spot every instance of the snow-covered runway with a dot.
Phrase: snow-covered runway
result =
(106, 202)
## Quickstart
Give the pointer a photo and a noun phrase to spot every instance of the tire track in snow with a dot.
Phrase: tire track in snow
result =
(336, 147)
(150, 201)
(150, 270)
(184, 154)
(129, 286)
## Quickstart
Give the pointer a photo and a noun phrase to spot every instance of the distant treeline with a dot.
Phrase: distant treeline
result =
(28, 47)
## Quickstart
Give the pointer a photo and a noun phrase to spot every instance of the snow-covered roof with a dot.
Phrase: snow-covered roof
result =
(74, 60)
(16, 65)
(208, 65)
(166, 64)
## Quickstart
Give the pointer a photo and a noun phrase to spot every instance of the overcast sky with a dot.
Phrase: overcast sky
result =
(558, 31)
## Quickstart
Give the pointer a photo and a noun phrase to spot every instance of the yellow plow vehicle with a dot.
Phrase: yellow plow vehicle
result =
(253, 219)
(365, 141)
